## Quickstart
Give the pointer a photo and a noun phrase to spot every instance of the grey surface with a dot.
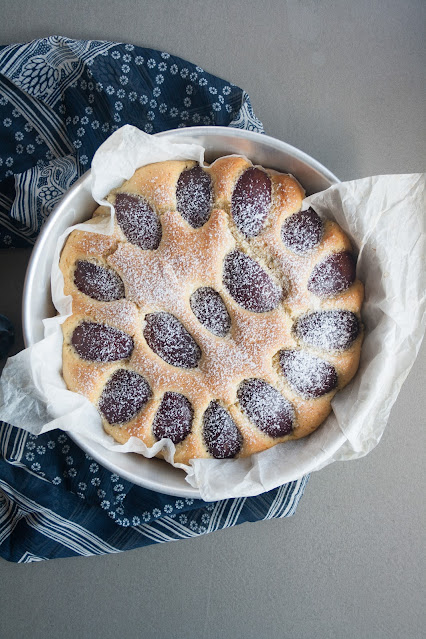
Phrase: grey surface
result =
(344, 82)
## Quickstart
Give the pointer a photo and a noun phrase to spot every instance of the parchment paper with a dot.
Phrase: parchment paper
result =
(385, 218)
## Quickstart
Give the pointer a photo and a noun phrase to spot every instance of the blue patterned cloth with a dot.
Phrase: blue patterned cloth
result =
(59, 100)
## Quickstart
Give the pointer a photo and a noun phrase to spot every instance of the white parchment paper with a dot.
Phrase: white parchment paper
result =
(385, 218)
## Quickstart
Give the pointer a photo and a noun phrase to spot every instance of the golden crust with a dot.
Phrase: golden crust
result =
(195, 256)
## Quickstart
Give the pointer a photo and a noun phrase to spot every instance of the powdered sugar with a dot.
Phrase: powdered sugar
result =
(98, 282)
(173, 418)
(266, 407)
(249, 284)
(308, 375)
(221, 435)
(149, 283)
(302, 231)
(124, 395)
(100, 343)
(333, 275)
(194, 196)
(328, 330)
(209, 308)
(122, 314)
(170, 340)
(224, 362)
(138, 221)
(95, 244)
(251, 201)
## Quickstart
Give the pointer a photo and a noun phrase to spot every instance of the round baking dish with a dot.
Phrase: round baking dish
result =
(78, 205)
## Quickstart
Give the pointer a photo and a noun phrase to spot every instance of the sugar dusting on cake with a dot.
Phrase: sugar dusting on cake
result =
(212, 339)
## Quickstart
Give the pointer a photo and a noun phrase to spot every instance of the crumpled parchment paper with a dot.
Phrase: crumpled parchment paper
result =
(385, 218)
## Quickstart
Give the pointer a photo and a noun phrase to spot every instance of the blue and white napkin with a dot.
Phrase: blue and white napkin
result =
(59, 100)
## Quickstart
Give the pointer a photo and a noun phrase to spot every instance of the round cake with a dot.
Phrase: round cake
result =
(217, 315)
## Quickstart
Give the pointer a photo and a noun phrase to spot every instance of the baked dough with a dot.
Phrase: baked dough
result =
(217, 314)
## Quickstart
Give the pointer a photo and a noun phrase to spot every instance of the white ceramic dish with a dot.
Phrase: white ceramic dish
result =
(78, 205)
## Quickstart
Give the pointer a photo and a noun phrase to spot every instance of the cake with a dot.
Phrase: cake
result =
(218, 314)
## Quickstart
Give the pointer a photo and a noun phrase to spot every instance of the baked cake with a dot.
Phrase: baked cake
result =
(217, 314)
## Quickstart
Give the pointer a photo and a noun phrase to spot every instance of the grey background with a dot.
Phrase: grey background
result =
(345, 82)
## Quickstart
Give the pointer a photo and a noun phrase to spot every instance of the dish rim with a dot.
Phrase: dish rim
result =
(184, 489)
